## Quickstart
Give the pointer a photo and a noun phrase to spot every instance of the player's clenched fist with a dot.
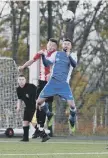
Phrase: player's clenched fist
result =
(41, 51)
(20, 68)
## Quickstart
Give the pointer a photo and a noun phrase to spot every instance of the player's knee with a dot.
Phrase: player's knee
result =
(38, 102)
(73, 111)
(71, 103)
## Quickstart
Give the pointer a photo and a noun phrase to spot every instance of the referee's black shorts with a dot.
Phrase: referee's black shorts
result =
(41, 85)
(28, 114)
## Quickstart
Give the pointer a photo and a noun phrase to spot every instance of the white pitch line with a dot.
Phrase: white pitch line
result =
(48, 142)
(52, 154)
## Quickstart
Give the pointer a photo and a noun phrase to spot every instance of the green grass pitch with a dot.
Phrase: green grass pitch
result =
(54, 148)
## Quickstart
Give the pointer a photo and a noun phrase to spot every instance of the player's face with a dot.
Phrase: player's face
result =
(67, 46)
(51, 46)
(21, 81)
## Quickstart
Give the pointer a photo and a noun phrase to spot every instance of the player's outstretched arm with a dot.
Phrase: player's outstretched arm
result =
(28, 63)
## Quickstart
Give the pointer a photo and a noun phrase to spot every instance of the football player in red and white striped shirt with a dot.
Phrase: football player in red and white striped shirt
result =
(43, 78)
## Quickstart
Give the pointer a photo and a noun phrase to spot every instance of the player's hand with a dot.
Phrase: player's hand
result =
(20, 68)
(68, 53)
(41, 52)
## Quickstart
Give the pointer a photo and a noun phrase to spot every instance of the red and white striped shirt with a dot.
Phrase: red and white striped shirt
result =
(44, 71)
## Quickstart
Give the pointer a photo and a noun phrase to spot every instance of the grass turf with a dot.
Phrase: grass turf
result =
(54, 148)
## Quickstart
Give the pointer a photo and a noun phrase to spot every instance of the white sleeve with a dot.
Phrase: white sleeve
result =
(74, 56)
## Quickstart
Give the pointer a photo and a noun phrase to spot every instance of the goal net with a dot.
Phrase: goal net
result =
(8, 96)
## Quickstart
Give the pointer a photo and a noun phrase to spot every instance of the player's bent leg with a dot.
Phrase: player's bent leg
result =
(50, 117)
(72, 119)
(41, 120)
(72, 116)
(42, 132)
(49, 114)
(43, 135)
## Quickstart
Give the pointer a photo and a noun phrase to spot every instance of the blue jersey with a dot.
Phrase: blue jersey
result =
(62, 65)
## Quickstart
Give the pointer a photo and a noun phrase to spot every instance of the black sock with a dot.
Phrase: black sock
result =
(42, 118)
(26, 132)
(37, 115)
(36, 126)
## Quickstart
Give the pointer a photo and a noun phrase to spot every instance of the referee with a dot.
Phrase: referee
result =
(26, 92)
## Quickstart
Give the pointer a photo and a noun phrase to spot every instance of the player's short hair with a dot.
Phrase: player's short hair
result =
(67, 39)
(21, 76)
(53, 40)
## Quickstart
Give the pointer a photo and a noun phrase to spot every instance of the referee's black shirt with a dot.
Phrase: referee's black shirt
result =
(28, 95)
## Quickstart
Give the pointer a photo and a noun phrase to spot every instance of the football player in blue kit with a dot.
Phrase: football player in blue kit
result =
(62, 63)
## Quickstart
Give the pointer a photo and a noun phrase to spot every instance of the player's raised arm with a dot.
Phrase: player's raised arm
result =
(30, 62)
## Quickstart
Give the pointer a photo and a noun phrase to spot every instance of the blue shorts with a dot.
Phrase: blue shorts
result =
(54, 87)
